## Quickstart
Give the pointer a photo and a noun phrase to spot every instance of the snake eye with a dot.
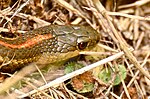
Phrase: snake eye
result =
(82, 45)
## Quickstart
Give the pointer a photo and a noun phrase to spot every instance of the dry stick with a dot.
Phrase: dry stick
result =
(31, 85)
(135, 75)
(136, 32)
(73, 74)
(7, 30)
(141, 37)
(15, 78)
(122, 43)
(18, 10)
(137, 3)
(129, 16)
(117, 97)
(71, 8)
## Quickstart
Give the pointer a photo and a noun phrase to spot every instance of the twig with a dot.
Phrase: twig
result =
(147, 18)
(19, 9)
(16, 77)
(137, 3)
(71, 8)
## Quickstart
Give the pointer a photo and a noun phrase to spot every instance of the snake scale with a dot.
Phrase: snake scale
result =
(50, 44)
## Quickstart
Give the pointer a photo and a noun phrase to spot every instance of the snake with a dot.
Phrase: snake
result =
(44, 45)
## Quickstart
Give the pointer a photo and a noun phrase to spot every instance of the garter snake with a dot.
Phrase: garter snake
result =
(50, 44)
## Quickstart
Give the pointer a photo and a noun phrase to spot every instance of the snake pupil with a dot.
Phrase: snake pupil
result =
(82, 45)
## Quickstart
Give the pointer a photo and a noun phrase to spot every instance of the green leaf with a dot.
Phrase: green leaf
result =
(72, 67)
(106, 75)
(123, 73)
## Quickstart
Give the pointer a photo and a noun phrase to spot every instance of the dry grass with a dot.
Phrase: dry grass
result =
(123, 25)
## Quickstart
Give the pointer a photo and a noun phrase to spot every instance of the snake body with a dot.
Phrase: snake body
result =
(50, 44)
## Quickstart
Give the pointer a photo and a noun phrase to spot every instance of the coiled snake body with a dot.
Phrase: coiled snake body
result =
(50, 44)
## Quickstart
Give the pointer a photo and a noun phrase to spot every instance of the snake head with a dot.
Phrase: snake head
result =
(87, 39)
(76, 37)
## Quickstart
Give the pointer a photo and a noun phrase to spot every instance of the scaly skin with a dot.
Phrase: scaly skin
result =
(45, 45)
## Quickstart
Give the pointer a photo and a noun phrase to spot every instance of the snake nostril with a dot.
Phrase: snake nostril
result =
(82, 45)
